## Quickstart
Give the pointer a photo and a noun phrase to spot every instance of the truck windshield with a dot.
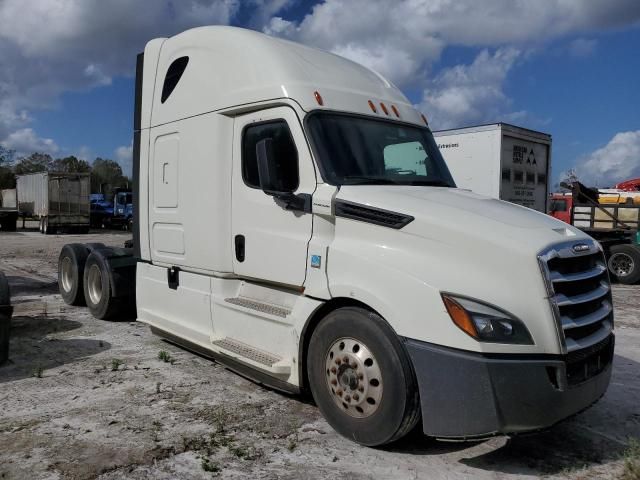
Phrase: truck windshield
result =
(355, 150)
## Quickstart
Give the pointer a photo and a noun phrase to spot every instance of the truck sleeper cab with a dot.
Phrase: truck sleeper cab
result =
(294, 219)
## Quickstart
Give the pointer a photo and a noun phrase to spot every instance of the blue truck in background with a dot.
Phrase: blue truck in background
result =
(117, 213)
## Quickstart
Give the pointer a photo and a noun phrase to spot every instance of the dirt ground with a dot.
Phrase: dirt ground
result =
(83, 398)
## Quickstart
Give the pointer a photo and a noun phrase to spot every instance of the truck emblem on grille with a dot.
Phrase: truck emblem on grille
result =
(580, 247)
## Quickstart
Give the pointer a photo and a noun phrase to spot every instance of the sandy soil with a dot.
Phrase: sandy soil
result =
(83, 398)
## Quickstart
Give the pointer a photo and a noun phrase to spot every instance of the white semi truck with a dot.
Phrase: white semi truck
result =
(294, 220)
(500, 161)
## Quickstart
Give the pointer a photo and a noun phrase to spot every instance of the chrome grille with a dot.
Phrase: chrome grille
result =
(579, 291)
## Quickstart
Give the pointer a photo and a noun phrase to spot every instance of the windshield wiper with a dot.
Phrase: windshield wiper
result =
(431, 183)
(364, 180)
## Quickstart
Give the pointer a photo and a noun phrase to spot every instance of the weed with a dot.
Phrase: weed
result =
(632, 461)
(209, 466)
(37, 372)
(166, 357)
(293, 443)
(115, 364)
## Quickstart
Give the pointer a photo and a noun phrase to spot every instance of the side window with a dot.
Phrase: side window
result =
(171, 79)
(405, 158)
(284, 150)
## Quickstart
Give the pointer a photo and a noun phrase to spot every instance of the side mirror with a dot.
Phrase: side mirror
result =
(269, 183)
(267, 167)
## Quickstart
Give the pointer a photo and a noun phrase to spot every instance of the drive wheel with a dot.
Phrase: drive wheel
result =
(624, 263)
(46, 228)
(5, 291)
(97, 288)
(71, 273)
(361, 377)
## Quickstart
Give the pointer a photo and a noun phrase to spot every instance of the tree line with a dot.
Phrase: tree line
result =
(106, 174)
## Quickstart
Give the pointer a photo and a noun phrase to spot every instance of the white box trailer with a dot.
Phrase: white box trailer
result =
(294, 220)
(501, 161)
(59, 200)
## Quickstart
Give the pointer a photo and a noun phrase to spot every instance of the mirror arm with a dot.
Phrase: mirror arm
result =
(300, 202)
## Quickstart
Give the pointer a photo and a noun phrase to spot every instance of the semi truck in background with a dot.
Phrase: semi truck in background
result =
(60, 201)
(8, 210)
(500, 161)
(117, 213)
(294, 219)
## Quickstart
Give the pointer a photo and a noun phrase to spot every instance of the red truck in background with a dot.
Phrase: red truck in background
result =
(561, 206)
(614, 221)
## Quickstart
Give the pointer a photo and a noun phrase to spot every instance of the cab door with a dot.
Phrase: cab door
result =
(270, 241)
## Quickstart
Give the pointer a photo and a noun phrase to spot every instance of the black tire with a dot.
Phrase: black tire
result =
(5, 319)
(97, 288)
(397, 410)
(5, 291)
(46, 228)
(8, 225)
(624, 263)
(71, 273)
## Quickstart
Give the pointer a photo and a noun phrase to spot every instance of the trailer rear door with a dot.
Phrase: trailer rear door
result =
(524, 170)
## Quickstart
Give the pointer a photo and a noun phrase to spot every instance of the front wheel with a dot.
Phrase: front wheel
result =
(624, 263)
(361, 377)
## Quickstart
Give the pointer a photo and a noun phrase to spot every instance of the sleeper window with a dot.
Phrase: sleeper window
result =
(175, 71)
(284, 150)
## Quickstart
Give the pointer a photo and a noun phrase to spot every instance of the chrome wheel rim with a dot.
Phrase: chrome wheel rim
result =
(66, 274)
(621, 264)
(353, 377)
(94, 284)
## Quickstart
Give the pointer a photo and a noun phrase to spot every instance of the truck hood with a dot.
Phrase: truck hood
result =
(451, 215)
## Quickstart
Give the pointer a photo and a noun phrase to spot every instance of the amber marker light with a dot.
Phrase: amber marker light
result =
(460, 316)
(373, 107)
(384, 108)
(318, 98)
(395, 110)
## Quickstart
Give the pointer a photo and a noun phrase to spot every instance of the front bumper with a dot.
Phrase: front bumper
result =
(465, 394)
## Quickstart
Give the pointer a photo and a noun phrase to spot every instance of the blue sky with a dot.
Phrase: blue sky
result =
(566, 67)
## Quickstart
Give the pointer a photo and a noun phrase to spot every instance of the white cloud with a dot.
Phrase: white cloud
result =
(617, 161)
(25, 141)
(472, 93)
(402, 38)
(124, 156)
(52, 46)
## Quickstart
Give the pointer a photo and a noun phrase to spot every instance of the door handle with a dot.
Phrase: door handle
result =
(239, 242)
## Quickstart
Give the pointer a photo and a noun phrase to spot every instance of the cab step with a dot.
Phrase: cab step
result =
(265, 360)
(261, 307)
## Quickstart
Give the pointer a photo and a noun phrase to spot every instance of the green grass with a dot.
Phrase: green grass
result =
(631, 458)
(209, 466)
(166, 357)
(115, 364)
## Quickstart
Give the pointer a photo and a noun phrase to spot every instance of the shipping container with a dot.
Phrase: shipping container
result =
(501, 161)
(59, 200)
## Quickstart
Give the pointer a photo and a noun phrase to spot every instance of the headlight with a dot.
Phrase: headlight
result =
(485, 322)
